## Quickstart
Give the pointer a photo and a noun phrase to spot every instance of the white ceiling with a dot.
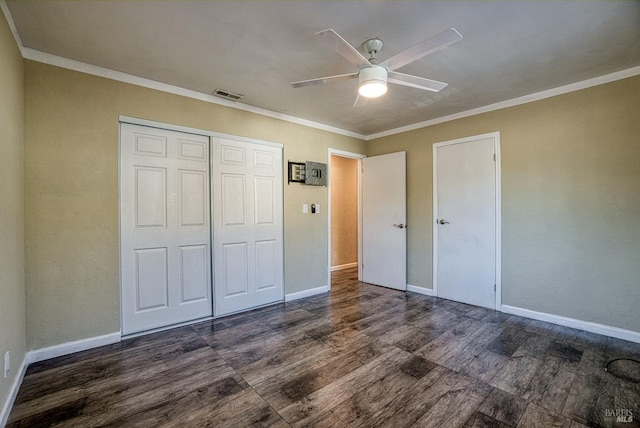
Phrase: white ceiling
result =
(256, 48)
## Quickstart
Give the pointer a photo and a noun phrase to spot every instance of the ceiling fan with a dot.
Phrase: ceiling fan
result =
(374, 76)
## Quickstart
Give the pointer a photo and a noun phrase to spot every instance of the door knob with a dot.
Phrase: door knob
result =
(400, 226)
(442, 221)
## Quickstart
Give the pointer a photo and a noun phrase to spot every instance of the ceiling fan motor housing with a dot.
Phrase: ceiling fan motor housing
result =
(373, 81)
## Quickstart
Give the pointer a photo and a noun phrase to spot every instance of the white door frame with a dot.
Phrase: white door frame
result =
(359, 158)
(498, 258)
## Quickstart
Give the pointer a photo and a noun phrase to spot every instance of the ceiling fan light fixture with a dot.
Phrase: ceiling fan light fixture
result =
(373, 81)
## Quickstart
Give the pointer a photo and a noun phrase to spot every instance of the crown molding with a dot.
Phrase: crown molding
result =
(70, 64)
(560, 90)
(82, 67)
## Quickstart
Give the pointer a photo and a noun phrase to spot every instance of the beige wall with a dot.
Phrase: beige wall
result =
(570, 201)
(12, 293)
(71, 195)
(344, 210)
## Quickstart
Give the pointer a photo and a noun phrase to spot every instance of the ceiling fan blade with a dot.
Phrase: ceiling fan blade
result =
(323, 80)
(360, 101)
(433, 44)
(343, 48)
(415, 81)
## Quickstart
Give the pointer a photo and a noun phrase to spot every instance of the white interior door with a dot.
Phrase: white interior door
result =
(465, 215)
(384, 218)
(164, 228)
(247, 225)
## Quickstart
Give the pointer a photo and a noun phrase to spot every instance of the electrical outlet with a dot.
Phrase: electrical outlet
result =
(305, 208)
(7, 364)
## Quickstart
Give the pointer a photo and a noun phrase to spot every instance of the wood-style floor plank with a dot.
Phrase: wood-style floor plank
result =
(303, 380)
(503, 407)
(359, 356)
(550, 387)
(306, 410)
(458, 405)
(407, 407)
(538, 417)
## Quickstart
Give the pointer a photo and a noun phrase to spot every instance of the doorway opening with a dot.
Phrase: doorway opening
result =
(344, 235)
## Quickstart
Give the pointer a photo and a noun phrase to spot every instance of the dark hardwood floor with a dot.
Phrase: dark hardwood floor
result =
(359, 356)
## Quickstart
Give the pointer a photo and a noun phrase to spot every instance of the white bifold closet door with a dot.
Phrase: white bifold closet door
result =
(247, 225)
(164, 228)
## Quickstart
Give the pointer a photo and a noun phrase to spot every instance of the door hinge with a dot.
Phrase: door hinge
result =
(494, 157)
(494, 288)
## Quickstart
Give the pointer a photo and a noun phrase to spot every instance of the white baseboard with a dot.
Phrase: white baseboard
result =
(46, 354)
(71, 347)
(620, 333)
(345, 266)
(306, 293)
(420, 290)
(13, 392)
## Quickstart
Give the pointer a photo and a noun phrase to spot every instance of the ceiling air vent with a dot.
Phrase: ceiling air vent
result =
(227, 95)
